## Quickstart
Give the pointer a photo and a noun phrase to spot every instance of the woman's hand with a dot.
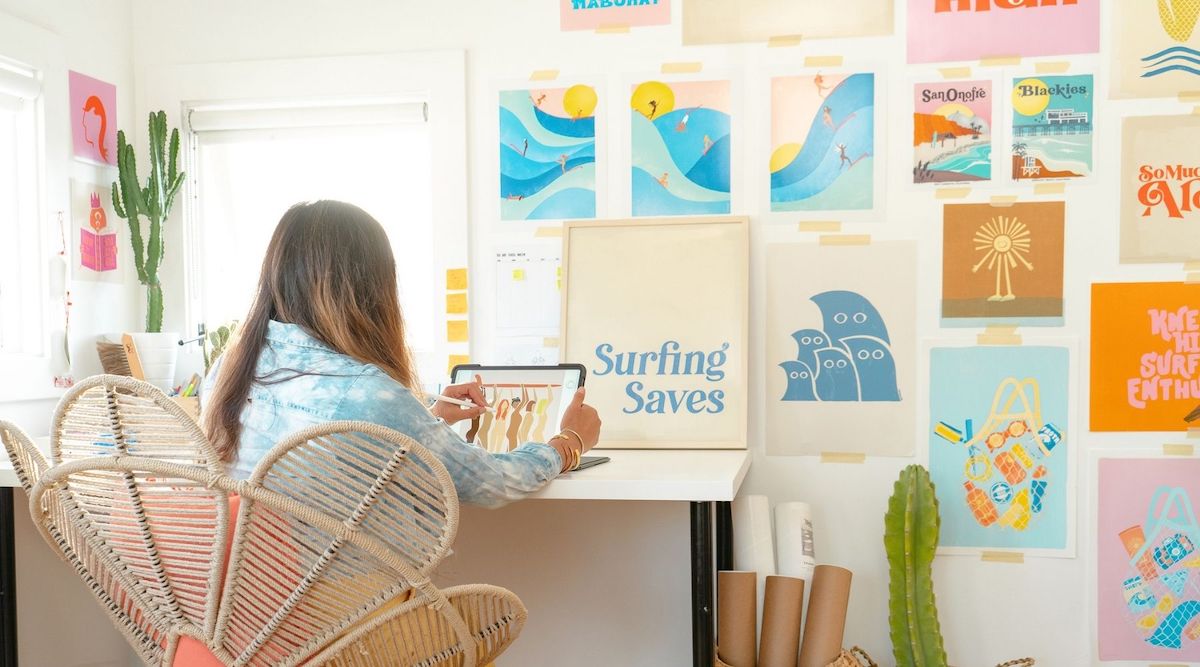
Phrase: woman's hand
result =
(582, 419)
(467, 391)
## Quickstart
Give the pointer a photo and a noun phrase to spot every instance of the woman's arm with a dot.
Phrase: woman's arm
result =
(480, 478)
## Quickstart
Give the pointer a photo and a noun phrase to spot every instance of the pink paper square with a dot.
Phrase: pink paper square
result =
(592, 14)
(976, 29)
(93, 119)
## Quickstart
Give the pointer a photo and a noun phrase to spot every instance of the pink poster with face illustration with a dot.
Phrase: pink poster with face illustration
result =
(93, 119)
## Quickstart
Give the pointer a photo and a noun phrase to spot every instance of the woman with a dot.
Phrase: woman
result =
(324, 341)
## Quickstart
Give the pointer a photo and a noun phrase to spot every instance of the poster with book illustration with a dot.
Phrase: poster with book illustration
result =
(841, 345)
(1052, 127)
(1156, 48)
(1000, 448)
(1160, 189)
(1148, 569)
(98, 240)
(952, 132)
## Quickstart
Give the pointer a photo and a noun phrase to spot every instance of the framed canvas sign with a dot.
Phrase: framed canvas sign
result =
(656, 309)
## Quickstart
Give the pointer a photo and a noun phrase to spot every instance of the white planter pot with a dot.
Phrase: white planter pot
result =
(158, 353)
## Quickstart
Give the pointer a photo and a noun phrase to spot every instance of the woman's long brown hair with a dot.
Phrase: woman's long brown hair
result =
(329, 269)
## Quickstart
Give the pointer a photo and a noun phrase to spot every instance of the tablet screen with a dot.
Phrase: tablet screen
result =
(529, 402)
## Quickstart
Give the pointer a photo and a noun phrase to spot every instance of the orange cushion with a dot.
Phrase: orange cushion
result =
(192, 652)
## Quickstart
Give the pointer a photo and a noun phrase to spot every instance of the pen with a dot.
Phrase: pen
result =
(465, 404)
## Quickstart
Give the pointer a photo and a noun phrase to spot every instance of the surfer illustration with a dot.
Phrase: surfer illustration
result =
(819, 82)
(538, 102)
(827, 118)
(845, 159)
(708, 143)
(662, 180)
(562, 162)
(653, 108)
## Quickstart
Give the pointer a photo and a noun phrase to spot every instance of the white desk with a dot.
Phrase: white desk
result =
(700, 478)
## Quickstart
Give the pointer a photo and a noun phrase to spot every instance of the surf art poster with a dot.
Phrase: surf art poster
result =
(548, 153)
(1000, 451)
(1160, 189)
(680, 147)
(1156, 48)
(952, 132)
(1052, 119)
(1145, 356)
(841, 346)
(1148, 569)
(823, 142)
(949, 30)
(1003, 264)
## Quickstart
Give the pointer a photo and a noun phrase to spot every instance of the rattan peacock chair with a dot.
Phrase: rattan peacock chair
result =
(335, 537)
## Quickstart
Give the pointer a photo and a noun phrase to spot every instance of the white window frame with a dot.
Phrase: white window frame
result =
(436, 77)
(28, 374)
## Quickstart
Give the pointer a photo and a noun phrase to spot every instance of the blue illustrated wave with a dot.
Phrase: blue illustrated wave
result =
(675, 171)
(547, 162)
(1171, 60)
(975, 162)
(849, 359)
(833, 147)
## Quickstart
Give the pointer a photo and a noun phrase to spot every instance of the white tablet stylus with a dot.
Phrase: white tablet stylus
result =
(465, 404)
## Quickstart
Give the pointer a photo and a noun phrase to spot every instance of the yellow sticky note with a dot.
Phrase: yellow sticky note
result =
(456, 304)
(518, 274)
(456, 279)
(456, 360)
(456, 331)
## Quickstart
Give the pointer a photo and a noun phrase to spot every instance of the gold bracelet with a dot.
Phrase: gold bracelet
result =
(575, 454)
(577, 436)
(568, 464)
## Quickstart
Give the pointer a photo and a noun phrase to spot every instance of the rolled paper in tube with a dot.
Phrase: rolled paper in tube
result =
(753, 541)
(794, 545)
(737, 618)
(783, 606)
(828, 599)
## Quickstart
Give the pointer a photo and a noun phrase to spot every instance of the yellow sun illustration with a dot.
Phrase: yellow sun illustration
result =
(653, 99)
(1030, 105)
(579, 101)
(1005, 243)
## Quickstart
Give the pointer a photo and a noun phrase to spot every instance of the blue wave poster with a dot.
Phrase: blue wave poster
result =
(680, 148)
(1156, 48)
(548, 154)
(823, 142)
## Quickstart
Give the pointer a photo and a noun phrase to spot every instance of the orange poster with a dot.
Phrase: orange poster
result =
(1145, 355)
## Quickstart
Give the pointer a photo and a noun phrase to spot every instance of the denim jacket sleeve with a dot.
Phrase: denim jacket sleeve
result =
(490, 480)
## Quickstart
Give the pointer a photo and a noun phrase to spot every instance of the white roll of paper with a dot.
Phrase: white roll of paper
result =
(753, 542)
(795, 553)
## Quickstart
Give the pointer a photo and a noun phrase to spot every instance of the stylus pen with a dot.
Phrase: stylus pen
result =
(465, 404)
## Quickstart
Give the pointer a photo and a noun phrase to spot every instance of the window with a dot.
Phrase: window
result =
(22, 330)
(251, 163)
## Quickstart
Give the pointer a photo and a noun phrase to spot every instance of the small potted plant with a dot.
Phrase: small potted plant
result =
(158, 351)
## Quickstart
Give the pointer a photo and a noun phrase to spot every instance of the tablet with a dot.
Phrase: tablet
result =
(528, 402)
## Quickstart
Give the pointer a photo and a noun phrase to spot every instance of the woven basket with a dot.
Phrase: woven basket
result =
(856, 657)
(113, 359)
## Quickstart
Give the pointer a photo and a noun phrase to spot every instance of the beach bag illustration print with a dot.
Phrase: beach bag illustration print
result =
(1161, 593)
(1004, 479)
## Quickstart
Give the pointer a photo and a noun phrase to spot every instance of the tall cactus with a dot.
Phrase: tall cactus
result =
(910, 538)
(154, 201)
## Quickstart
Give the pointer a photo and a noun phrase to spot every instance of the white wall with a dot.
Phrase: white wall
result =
(59, 622)
(607, 583)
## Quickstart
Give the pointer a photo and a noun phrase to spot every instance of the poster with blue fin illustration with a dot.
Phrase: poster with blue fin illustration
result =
(823, 148)
(680, 147)
(548, 153)
(1001, 448)
(841, 338)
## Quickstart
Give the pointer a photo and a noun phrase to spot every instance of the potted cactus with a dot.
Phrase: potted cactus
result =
(910, 538)
(152, 201)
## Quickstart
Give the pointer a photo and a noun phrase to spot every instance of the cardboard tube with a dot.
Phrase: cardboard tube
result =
(827, 603)
(737, 617)
(753, 542)
(782, 608)
(796, 556)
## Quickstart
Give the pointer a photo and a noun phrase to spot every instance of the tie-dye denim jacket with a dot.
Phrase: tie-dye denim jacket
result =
(339, 387)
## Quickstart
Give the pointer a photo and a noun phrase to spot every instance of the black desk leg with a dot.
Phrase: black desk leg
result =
(702, 585)
(8, 582)
(724, 535)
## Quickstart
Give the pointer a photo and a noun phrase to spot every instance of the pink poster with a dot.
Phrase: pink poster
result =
(1148, 570)
(593, 14)
(93, 119)
(949, 30)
